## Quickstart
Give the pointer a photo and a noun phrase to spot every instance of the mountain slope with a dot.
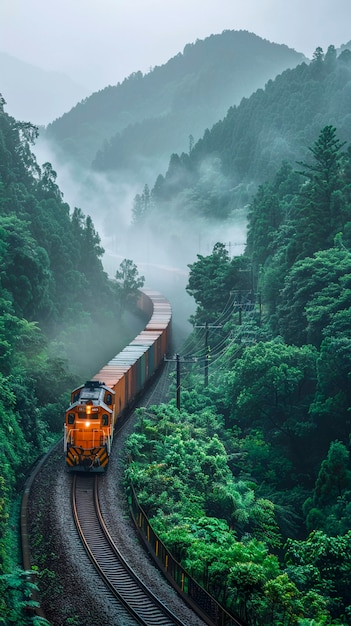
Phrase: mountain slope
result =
(149, 116)
(249, 144)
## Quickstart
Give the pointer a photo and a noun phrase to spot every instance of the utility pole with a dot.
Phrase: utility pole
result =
(259, 308)
(240, 303)
(207, 326)
(240, 308)
(178, 360)
(178, 382)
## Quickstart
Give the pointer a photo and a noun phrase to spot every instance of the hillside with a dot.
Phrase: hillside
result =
(249, 484)
(146, 117)
(50, 255)
(246, 148)
(35, 95)
(60, 320)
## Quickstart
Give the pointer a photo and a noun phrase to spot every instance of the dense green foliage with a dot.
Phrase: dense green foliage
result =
(128, 282)
(147, 116)
(53, 295)
(276, 123)
(212, 279)
(249, 484)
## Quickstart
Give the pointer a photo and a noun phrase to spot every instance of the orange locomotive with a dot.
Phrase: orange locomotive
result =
(96, 406)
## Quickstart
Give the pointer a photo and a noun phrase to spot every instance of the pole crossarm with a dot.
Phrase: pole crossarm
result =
(207, 326)
(178, 360)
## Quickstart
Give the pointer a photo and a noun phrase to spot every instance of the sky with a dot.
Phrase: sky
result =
(101, 42)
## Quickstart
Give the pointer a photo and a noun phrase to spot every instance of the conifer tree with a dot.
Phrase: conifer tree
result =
(318, 214)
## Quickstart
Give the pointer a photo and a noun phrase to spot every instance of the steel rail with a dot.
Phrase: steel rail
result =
(125, 585)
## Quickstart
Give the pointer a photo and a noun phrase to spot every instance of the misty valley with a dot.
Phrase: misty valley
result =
(222, 180)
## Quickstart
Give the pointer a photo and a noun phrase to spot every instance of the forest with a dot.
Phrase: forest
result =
(148, 115)
(248, 482)
(222, 170)
(54, 294)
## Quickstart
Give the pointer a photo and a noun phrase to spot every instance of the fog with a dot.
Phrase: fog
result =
(100, 43)
(161, 249)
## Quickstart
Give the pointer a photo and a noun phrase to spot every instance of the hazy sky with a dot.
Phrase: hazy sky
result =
(100, 42)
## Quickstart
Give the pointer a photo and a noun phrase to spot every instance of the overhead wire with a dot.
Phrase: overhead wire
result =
(195, 338)
(204, 354)
(220, 349)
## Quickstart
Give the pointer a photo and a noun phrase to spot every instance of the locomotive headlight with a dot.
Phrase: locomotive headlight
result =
(87, 424)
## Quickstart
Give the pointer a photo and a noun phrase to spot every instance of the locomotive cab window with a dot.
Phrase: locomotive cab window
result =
(109, 399)
(105, 420)
(71, 418)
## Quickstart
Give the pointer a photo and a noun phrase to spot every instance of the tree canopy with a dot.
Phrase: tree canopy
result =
(258, 509)
(54, 294)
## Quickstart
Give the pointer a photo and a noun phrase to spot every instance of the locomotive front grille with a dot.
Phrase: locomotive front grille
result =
(83, 459)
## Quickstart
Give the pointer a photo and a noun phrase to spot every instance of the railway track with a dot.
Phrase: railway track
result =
(53, 512)
(125, 585)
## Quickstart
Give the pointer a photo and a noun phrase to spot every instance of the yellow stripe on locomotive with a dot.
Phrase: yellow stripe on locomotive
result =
(89, 426)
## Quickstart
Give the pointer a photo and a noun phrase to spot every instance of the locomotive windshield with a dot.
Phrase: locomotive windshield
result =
(90, 395)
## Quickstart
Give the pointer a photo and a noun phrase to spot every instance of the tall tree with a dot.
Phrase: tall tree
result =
(334, 475)
(270, 389)
(315, 290)
(318, 214)
(141, 205)
(213, 278)
(128, 282)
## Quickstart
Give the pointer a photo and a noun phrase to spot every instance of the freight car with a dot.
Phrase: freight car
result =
(97, 406)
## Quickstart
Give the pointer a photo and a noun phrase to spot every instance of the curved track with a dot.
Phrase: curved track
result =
(124, 584)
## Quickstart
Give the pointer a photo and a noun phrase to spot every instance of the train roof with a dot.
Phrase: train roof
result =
(160, 312)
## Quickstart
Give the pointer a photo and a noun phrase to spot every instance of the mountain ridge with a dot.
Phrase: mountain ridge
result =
(193, 90)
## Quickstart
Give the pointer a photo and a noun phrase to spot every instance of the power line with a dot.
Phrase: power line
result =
(177, 359)
(207, 330)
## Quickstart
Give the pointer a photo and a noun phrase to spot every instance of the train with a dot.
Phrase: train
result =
(98, 405)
